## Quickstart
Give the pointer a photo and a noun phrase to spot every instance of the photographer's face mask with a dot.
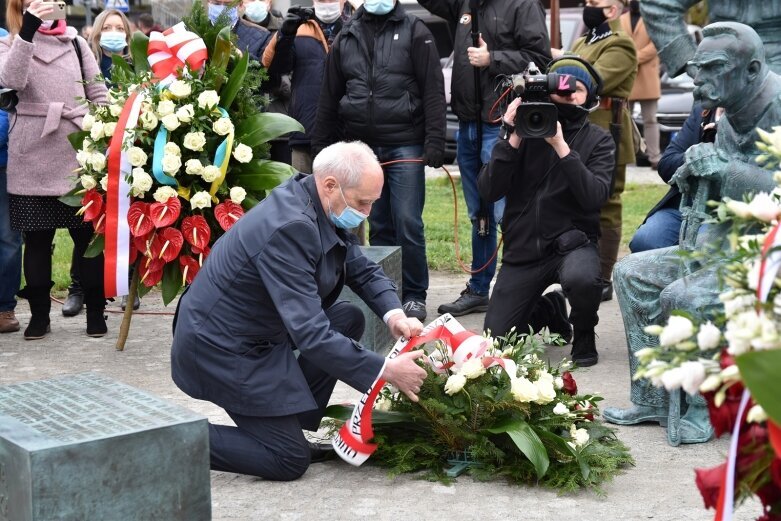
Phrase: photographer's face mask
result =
(215, 10)
(327, 12)
(379, 7)
(593, 16)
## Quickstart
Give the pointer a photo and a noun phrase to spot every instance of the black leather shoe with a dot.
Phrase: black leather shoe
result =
(559, 321)
(73, 304)
(136, 303)
(468, 302)
(320, 452)
(607, 291)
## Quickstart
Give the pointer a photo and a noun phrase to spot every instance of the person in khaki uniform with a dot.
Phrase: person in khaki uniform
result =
(647, 89)
(612, 53)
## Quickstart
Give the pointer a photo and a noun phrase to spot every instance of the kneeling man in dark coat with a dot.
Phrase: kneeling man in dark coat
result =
(270, 286)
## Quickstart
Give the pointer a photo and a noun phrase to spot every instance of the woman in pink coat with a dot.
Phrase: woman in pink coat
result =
(44, 62)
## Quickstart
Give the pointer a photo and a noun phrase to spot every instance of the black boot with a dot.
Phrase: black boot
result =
(75, 301)
(96, 320)
(40, 306)
(584, 348)
(558, 321)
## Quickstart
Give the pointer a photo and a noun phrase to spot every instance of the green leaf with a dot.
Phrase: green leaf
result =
(263, 127)
(235, 82)
(77, 138)
(72, 198)
(527, 442)
(172, 281)
(343, 413)
(118, 62)
(222, 54)
(250, 202)
(96, 246)
(138, 47)
(759, 370)
(262, 174)
(557, 442)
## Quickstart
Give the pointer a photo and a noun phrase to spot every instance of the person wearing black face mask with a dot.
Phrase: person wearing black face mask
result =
(554, 189)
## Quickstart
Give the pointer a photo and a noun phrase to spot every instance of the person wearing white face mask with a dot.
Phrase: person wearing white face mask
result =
(250, 37)
(262, 13)
(110, 36)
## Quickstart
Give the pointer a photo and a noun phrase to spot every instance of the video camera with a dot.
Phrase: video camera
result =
(305, 13)
(536, 117)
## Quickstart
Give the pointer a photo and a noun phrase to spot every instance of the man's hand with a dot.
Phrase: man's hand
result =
(401, 325)
(557, 141)
(403, 373)
(556, 53)
(479, 56)
(433, 156)
(291, 24)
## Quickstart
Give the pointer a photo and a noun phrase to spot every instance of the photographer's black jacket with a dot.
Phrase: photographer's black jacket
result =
(547, 196)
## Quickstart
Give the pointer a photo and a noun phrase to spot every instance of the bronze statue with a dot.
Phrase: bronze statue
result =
(730, 71)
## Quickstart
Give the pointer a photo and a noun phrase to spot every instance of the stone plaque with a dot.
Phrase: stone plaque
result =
(376, 336)
(85, 447)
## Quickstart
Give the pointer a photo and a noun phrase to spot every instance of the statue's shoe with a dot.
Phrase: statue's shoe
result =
(694, 430)
(636, 414)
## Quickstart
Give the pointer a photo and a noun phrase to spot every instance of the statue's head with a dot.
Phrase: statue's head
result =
(729, 65)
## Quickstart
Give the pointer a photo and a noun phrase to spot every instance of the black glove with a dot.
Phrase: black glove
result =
(434, 156)
(291, 24)
(30, 24)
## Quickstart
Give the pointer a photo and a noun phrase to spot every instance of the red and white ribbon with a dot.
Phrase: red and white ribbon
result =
(770, 264)
(117, 246)
(170, 50)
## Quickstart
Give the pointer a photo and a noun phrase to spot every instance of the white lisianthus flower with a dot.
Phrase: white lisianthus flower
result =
(104, 183)
(171, 164)
(115, 110)
(693, 376)
(164, 193)
(546, 392)
(185, 113)
(87, 122)
(142, 182)
(560, 409)
(752, 276)
(136, 156)
(579, 436)
(523, 390)
(741, 330)
(200, 200)
(97, 161)
(645, 354)
(454, 384)
(210, 173)
(739, 304)
(96, 131)
(673, 378)
(223, 126)
(558, 382)
(109, 128)
(180, 89)
(110, 97)
(730, 373)
(238, 194)
(88, 182)
(148, 120)
(768, 335)
(194, 141)
(756, 414)
(171, 122)
(677, 330)
(771, 138)
(709, 336)
(208, 99)
(165, 108)
(739, 208)
(472, 368)
(172, 149)
(654, 329)
(242, 153)
(711, 383)
(654, 371)
(193, 167)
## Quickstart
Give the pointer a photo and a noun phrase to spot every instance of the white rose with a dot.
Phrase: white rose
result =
(210, 173)
(454, 384)
(739, 208)
(164, 193)
(545, 391)
(756, 414)
(382, 404)
(693, 376)
(185, 113)
(180, 89)
(104, 183)
(194, 141)
(238, 194)
(148, 120)
(115, 110)
(88, 182)
(242, 153)
(201, 200)
(208, 99)
(579, 436)
(709, 336)
(560, 409)
(223, 126)
(142, 182)
(472, 368)
(172, 149)
(82, 157)
(171, 164)
(170, 122)
(97, 161)
(96, 132)
(677, 330)
(109, 128)
(165, 108)
(87, 122)
(673, 378)
(558, 382)
(136, 156)
(193, 167)
(523, 390)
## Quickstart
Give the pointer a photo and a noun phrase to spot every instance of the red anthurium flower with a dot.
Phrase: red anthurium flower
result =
(100, 225)
(570, 386)
(138, 219)
(775, 472)
(196, 231)
(709, 482)
(172, 243)
(151, 271)
(190, 268)
(142, 242)
(91, 205)
(227, 213)
(165, 214)
(133, 253)
(201, 253)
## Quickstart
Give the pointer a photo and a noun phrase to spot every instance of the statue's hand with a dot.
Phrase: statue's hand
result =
(681, 179)
(703, 160)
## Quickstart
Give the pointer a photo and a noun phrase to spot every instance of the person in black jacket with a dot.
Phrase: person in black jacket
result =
(250, 37)
(383, 85)
(554, 188)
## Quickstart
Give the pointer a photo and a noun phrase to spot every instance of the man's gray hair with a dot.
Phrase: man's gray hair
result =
(346, 161)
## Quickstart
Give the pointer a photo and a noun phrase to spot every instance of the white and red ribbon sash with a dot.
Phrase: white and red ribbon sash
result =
(170, 50)
(770, 263)
(117, 245)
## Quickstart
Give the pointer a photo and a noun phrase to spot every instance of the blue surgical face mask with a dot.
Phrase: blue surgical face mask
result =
(256, 12)
(113, 41)
(379, 7)
(215, 10)
(349, 218)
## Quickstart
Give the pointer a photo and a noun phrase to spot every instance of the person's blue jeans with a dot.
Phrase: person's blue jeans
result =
(660, 230)
(396, 218)
(10, 251)
(469, 165)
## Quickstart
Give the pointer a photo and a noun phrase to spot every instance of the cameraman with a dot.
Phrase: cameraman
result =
(554, 188)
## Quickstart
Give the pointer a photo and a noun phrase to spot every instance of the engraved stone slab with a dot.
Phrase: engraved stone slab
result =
(376, 336)
(86, 447)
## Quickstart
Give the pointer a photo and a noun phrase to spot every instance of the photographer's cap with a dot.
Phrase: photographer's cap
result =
(576, 69)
